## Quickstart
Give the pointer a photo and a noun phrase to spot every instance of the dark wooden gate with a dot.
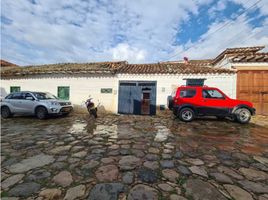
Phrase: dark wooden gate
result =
(137, 97)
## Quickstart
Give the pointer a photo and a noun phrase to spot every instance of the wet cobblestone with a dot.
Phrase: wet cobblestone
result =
(130, 157)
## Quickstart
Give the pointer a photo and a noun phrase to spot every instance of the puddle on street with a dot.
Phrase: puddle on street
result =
(78, 127)
(162, 134)
(214, 134)
(109, 131)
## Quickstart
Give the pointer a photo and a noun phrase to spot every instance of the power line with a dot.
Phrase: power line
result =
(220, 28)
(251, 36)
(232, 39)
(244, 39)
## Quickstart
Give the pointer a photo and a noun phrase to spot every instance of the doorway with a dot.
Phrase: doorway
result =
(137, 97)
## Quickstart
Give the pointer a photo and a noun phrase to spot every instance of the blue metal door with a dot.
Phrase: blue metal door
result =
(130, 97)
(136, 100)
(125, 104)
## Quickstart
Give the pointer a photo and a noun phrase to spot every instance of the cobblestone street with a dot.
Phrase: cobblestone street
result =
(133, 158)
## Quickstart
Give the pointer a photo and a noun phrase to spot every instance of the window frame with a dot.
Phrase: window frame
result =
(9, 96)
(14, 87)
(27, 94)
(66, 87)
(220, 98)
(188, 89)
(195, 82)
(15, 93)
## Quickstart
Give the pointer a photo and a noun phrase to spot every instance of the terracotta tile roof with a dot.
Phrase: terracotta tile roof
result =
(244, 49)
(239, 50)
(112, 68)
(65, 68)
(169, 68)
(5, 63)
(205, 62)
(229, 52)
(247, 58)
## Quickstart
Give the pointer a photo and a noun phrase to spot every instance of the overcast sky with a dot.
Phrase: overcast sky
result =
(139, 31)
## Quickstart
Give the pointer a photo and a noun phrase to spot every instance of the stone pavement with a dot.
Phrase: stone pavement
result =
(133, 158)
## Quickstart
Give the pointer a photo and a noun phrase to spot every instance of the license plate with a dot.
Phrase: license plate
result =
(66, 109)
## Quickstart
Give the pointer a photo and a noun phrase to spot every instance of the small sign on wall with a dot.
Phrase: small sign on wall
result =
(106, 90)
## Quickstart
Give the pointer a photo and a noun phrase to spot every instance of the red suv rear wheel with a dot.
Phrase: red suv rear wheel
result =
(186, 114)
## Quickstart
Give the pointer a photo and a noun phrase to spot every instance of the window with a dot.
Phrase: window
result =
(195, 82)
(43, 95)
(27, 96)
(146, 84)
(16, 95)
(8, 96)
(14, 89)
(187, 93)
(212, 94)
(128, 84)
(146, 95)
(64, 92)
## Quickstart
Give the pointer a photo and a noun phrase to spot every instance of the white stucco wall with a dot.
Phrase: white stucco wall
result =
(224, 63)
(83, 86)
(80, 87)
(166, 83)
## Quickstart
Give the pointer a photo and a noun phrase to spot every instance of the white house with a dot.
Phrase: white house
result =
(119, 87)
(130, 88)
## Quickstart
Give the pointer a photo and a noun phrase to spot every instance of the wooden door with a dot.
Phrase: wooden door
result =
(146, 102)
(148, 97)
(252, 85)
(265, 93)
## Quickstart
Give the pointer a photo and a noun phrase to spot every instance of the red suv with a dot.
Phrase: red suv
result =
(189, 102)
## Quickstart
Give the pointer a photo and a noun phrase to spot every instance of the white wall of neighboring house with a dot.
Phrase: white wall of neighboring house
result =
(224, 63)
(227, 64)
(83, 86)
(251, 66)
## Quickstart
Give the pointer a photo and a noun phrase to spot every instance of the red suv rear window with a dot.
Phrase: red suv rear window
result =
(187, 93)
